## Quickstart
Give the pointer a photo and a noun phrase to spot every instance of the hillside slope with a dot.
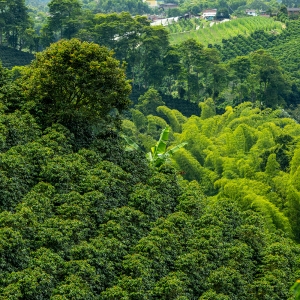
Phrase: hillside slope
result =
(12, 57)
(215, 33)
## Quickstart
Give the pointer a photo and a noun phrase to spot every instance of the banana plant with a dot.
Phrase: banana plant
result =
(131, 145)
(159, 153)
(296, 290)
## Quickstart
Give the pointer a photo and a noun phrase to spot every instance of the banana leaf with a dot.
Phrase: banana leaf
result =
(176, 148)
(161, 145)
(158, 154)
(131, 145)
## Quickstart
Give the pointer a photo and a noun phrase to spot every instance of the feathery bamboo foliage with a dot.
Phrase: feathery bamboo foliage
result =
(155, 125)
(251, 148)
(272, 167)
(195, 171)
(252, 194)
(171, 116)
(208, 108)
(139, 119)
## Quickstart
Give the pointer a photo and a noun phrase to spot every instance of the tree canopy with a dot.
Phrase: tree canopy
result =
(75, 80)
(212, 210)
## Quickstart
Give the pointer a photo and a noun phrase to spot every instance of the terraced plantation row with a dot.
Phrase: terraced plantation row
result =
(260, 39)
(217, 32)
(284, 47)
(11, 57)
(187, 25)
(289, 57)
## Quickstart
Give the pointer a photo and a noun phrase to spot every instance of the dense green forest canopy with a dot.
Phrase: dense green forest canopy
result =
(211, 214)
(81, 218)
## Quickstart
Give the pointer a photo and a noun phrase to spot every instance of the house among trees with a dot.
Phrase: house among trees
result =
(251, 12)
(209, 14)
(293, 11)
(167, 6)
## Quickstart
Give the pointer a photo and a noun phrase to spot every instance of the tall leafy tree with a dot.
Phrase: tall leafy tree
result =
(142, 46)
(63, 17)
(273, 84)
(192, 59)
(74, 80)
(14, 21)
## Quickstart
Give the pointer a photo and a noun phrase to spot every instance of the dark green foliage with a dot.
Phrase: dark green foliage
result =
(218, 251)
(64, 16)
(15, 23)
(12, 57)
(282, 46)
(135, 7)
(73, 82)
(283, 149)
(149, 102)
(79, 220)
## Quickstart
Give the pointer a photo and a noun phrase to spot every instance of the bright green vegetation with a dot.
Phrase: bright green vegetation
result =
(226, 30)
(247, 155)
(296, 289)
(186, 25)
(243, 45)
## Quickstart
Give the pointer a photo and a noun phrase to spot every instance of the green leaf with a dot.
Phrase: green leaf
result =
(131, 144)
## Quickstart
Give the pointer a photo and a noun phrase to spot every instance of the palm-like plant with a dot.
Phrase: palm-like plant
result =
(158, 154)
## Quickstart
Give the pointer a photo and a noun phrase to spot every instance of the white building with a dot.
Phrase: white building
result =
(251, 12)
(209, 14)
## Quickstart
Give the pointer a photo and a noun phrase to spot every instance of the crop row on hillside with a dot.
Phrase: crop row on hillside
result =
(214, 34)
(186, 25)
(289, 57)
(11, 57)
(260, 39)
